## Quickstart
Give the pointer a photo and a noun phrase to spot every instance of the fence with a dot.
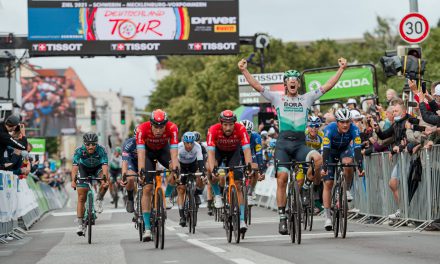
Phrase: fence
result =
(418, 200)
(25, 201)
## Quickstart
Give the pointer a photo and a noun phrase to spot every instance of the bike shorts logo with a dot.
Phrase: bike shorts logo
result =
(135, 46)
(326, 141)
(198, 46)
(43, 47)
(293, 107)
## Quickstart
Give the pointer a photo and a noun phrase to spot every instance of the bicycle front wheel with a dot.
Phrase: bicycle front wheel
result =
(235, 213)
(187, 210)
(297, 213)
(90, 217)
(290, 216)
(335, 209)
(343, 210)
(140, 218)
(193, 212)
(160, 218)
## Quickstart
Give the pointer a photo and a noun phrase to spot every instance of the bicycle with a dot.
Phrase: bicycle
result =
(138, 219)
(190, 206)
(308, 208)
(339, 202)
(294, 204)
(231, 209)
(89, 213)
(246, 181)
(158, 212)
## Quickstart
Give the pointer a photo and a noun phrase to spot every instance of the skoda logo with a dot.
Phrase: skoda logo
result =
(314, 85)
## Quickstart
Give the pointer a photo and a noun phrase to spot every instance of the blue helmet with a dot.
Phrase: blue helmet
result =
(189, 137)
(314, 121)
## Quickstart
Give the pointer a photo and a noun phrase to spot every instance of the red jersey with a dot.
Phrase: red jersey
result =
(145, 137)
(216, 138)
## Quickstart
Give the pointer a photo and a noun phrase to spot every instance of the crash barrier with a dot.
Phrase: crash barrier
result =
(23, 202)
(373, 201)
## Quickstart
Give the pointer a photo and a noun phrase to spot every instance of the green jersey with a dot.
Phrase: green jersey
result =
(81, 156)
(292, 111)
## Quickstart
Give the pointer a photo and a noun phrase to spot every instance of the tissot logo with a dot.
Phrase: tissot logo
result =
(135, 46)
(212, 46)
(43, 47)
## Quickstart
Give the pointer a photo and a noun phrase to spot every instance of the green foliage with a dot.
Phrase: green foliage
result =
(200, 87)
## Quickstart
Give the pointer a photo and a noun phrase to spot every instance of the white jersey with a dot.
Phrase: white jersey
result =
(187, 157)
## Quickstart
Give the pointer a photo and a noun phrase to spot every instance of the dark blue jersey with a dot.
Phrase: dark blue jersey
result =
(335, 140)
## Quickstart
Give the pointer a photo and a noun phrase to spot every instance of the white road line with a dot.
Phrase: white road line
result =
(242, 261)
(181, 235)
(170, 228)
(205, 246)
(106, 211)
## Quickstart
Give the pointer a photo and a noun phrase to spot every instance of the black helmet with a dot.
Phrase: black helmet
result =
(90, 137)
(12, 120)
(197, 135)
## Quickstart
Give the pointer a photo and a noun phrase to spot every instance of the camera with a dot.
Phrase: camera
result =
(413, 104)
(413, 120)
(411, 66)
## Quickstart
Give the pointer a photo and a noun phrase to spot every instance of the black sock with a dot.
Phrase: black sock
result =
(181, 213)
(130, 195)
(282, 212)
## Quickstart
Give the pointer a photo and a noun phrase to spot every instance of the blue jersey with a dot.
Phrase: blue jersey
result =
(129, 152)
(341, 141)
(256, 148)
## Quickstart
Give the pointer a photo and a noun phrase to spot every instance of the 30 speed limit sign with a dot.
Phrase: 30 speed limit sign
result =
(414, 28)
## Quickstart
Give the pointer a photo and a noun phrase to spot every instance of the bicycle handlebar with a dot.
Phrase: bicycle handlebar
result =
(343, 165)
(193, 173)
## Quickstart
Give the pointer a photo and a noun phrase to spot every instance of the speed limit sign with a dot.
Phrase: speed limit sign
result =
(414, 28)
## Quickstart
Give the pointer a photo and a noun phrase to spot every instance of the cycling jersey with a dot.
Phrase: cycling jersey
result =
(187, 157)
(256, 149)
(97, 158)
(145, 137)
(292, 111)
(129, 154)
(217, 139)
(315, 143)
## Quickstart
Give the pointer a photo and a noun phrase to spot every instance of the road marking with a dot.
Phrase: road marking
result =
(205, 246)
(170, 261)
(242, 261)
(106, 211)
(181, 235)
(170, 228)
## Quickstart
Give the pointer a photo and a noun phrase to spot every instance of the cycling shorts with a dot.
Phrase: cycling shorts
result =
(334, 156)
(291, 146)
(85, 171)
(231, 158)
(162, 155)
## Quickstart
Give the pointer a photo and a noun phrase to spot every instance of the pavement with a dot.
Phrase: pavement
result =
(115, 240)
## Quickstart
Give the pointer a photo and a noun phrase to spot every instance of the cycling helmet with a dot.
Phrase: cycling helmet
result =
(12, 120)
(227, 116)
(343, 114)
(189, 137)
(158, 117)
(314, 121)
(118, 149)
(90, 137)
(291, 73)
(196, 136)
(248, 125)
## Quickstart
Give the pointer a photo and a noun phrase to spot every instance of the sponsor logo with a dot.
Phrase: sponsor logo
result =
(357, 140)
(200, 46)
(257, 147)
(43, 47)
(225, 28)
(134, 46)
(326, 141)
(213, 20)
(293, 107)
(314, 85)
(352, 83)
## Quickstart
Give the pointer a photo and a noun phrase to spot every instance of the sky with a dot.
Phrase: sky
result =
(289, 20)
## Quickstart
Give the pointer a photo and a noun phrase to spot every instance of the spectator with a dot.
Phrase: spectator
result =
(11, 124)
(429, 116)
(351, 104)
(398, 132)
(391, 94)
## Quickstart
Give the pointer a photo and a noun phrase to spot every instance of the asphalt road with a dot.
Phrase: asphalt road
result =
(53, 240)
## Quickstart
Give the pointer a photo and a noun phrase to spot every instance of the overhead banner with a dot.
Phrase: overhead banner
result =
(48, 106)
(353, 82)
(118, 27)
(38, 145)
(248, 96)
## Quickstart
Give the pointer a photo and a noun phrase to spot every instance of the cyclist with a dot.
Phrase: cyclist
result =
(225, 139)
(90, 160)
(115, 172)
(292, 110)
(341, 138)
(206, 182)
(257, 157)
(191, 159)
(156, 140)
(129, 166)
(314, 136)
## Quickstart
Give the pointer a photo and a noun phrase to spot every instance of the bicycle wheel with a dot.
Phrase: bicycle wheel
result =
(335, 209)
(140, 218)
(90, 217)
(311, 207)
(193, 211)
(343, 202)
(160, 218)
(227, 216)
(297, 206)
(187, 211)
(304, 193)
(290, 218)
(235, 213)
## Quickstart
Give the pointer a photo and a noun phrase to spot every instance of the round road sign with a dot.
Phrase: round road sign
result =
(414, 28)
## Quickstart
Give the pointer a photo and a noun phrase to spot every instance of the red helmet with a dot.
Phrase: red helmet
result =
(227, 116)
(158, 117)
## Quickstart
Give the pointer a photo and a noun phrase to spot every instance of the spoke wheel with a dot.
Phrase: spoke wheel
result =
(335, 210)
(297, 213)
(90, 217)
(290, 217)
(227, 217)
(343, 208)
(193, 212)
(161, 218)
(235, 213)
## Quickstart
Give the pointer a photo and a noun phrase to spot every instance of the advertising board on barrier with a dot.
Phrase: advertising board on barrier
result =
(118, 27)
(38, 145)
(353, 82)
(248, 96)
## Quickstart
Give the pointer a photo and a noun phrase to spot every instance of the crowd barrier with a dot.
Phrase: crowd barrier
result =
(23, 202)
(419, 200)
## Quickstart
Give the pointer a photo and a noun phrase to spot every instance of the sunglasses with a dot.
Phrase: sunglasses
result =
(314, 125)
(292, 78)
(90, 144)
(345, 122)
(158, 127)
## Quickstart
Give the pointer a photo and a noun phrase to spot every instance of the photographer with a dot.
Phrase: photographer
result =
(11, 125)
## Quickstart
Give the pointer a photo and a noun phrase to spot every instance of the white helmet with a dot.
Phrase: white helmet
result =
(248, 125)
(343, 114)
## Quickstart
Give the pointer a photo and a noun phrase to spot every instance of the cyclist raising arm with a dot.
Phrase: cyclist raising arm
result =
(292, 110)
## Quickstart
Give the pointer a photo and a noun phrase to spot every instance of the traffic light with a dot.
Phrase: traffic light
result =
(123, 117)
(93, 118)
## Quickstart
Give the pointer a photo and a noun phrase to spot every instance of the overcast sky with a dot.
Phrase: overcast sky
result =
(290, 20)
